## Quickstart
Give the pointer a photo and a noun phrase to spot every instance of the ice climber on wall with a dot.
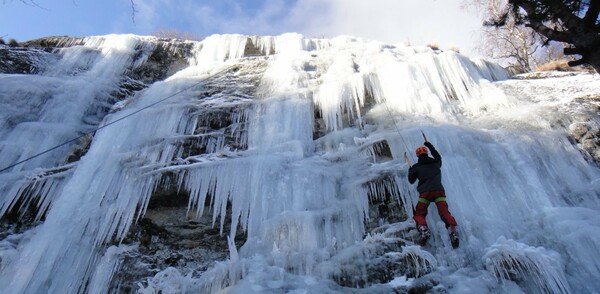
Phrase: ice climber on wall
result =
(428, 171)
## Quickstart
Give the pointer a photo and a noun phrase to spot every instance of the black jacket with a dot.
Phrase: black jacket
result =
(427, 171)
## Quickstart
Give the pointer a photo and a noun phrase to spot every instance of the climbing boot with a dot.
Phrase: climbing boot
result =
(453, 237)
(424, 235)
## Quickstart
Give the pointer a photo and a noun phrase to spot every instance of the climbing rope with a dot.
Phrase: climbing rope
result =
(104, 126)
(406, 149)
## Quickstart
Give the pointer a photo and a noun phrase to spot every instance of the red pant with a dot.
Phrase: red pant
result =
(439, 197)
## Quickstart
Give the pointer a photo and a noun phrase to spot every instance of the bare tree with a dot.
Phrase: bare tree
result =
(512, 43)
(515, 45)
(26, 2)
(572, 22)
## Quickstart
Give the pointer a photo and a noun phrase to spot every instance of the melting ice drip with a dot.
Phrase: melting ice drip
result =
(302, 202)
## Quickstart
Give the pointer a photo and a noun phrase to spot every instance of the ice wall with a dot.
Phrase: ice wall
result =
(519, 189)
(106, 188)
(65, 100)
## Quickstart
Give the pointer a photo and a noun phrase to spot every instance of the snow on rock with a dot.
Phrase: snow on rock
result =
(286, 154)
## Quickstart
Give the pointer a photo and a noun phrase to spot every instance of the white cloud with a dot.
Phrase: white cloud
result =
(391, 21)
(418, 22)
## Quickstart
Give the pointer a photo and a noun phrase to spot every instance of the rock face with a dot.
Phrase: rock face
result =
(167, 58)
(20, 60)
(170, 236)
(583, 124)
(585, 131)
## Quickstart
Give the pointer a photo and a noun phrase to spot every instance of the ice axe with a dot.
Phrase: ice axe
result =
(424, 138)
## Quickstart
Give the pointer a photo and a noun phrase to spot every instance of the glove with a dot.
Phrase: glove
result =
(428, 144)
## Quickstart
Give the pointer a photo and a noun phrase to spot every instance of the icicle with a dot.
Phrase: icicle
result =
(99, 64)
(219, 48)
(491, 71)
(341, 93)
(109, 187)
(266, 45)
(109, 264)
(421, 261)
(536, 269)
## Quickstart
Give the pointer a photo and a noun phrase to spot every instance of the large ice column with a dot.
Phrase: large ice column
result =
(275, 191)
(284, 115)
(445, 86)
(219, 48)
(54, 108)
(296, 209)
(342, 91)
(288, 43)
(526, 192)
(58, 105)
(109, 187)
(280, 130)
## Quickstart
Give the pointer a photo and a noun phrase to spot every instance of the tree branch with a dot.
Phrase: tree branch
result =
(133, 12)
(32, 3)
(559, 10)
(577, 62)
(550, 33)
(538, 26)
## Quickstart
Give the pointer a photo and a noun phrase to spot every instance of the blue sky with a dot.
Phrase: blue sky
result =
(408, 21)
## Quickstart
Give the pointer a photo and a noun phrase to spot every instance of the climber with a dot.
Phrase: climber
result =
(428, 171)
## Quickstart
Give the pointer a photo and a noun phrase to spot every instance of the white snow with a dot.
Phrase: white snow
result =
(517, 186)
(401, 281)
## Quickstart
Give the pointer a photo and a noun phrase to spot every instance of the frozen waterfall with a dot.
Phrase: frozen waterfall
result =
(526, 200)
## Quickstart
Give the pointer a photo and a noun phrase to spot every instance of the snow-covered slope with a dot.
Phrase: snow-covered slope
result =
(280, 137)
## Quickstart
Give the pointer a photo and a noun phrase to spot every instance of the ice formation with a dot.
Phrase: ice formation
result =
(521, 192)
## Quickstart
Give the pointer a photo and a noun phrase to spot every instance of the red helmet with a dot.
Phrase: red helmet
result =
(422, 150)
